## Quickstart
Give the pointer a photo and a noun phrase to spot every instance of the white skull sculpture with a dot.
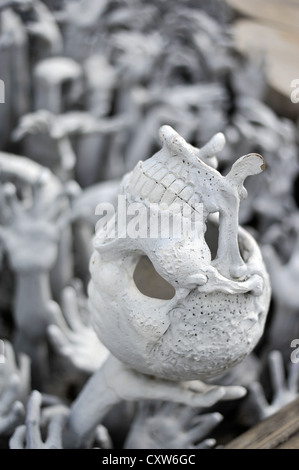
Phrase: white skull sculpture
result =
(217, 312)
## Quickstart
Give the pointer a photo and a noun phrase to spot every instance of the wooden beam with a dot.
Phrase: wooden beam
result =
(278, 49)
(282, 13)
(280, 431)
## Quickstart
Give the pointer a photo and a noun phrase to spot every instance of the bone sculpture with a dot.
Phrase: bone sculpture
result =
(219, 307)
(162, 347)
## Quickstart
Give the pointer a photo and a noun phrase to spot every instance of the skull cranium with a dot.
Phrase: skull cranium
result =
(215, 312)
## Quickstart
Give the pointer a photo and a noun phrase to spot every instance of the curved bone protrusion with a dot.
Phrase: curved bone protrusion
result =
(177, 145)
(251, 164)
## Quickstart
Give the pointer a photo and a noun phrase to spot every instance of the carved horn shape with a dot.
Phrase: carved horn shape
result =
(176, 144)
(215, 145)
(251, 164)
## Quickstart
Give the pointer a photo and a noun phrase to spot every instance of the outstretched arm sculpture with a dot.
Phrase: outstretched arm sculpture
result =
(165, 348)
(115, 382)
(31, 232)
(61, 128)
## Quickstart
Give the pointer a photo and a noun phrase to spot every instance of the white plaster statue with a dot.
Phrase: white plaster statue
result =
(47, 139)
(218, 311)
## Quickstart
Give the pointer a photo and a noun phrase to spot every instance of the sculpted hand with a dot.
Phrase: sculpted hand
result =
(32, 229)
(284, 389)
(14, 389)
(129, 384)
(171, 426)
(115, 382)
(71, 337)
(51, 420)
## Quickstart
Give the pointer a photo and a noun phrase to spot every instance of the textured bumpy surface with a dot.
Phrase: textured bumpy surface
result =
(218, 312)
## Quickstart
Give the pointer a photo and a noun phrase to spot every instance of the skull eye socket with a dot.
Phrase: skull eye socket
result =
(150, 283)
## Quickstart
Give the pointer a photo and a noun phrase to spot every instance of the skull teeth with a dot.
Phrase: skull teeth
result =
(140, 183)
(168, 179)
(187, 193)
(157, 193)
(150, 165)
(168, 197)
(152, 170)
(148, 188)
(176, 166)
(160, 174)
(137, 172)
(159, 185)
(177, 186)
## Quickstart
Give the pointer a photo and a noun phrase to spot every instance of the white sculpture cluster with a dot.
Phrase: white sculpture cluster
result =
(129, 341)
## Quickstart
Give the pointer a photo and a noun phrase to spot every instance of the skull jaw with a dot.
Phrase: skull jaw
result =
(192, 347)
(209, 343)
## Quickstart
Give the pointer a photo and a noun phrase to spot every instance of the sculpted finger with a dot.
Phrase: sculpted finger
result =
(70, 308)
(204, 426)
(206, 444)
(257, 397)
(17, 441)
(293, 378)
(234, 392)
(25, 373)
(180, 394)
(57, 338)
(15, 418)
(10, 356)
(276, 368)
(55, 316)
(34, 440)
(10, 394)
(55, 429)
